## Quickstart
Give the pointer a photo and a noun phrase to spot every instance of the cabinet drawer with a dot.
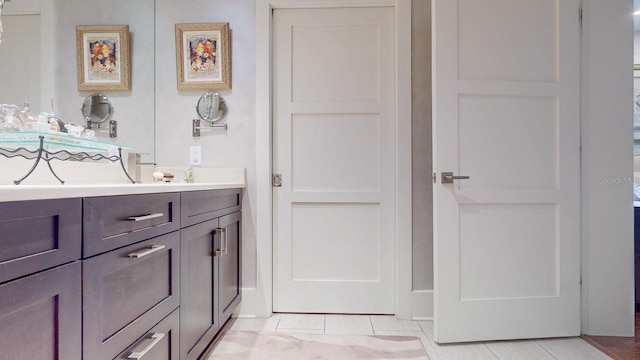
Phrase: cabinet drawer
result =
(37, 235)
(127, 291)
(115, 221)
(40, 315)
(199, 206)
(159, 343)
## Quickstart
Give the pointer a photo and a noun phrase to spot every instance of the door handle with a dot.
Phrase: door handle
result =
(448, 177)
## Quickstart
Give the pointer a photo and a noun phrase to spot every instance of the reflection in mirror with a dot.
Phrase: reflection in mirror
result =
(45, 30)
(211, 107)
(96, 109)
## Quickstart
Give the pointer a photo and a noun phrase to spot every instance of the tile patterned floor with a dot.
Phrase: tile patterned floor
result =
(545, 349)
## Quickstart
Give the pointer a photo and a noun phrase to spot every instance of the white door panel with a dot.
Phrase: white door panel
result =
(506, 113)
(334, 123)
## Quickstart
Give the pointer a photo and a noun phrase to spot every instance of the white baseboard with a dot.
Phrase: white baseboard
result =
(422, 305)
(253, 304)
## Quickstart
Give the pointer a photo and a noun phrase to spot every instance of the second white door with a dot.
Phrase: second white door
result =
(506, 114)
(333, 136)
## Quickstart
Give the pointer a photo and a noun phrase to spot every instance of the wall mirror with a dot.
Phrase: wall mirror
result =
(45, 29)
(211, 107)
(96, 109)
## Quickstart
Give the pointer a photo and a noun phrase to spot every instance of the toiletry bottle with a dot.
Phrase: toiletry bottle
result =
(27, 118)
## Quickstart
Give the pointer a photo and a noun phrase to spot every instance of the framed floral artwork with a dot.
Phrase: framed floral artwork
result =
(103, 57)
(203, 56)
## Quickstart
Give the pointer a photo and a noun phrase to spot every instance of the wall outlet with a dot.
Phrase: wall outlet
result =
(195, 155)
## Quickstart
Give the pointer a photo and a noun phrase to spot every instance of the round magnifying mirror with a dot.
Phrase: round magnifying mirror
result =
(97, 108)
(211, 107)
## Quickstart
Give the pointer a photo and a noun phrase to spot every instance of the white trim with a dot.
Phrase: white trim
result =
(262, 305)
(404, 218)
(607, 138)
(422, 305)
(259, 302)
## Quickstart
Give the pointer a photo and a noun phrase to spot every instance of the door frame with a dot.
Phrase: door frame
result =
(259, 300)
(608, 304)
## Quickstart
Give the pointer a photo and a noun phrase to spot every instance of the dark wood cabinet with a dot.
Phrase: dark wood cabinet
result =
(115, 221)
(199, 206)
(126, 291)
(210, 267)
(37, 235)
(40, 316)
(159, 343)
(229, 265)
(151, 276)
(199, 318)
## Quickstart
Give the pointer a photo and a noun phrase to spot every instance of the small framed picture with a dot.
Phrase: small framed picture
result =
(103, 57)
(203, 56)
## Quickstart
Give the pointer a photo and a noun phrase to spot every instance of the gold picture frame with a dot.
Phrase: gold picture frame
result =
(203, 56)
(103, 57)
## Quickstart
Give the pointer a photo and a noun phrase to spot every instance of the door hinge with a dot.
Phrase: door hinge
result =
(433, 177)
(276, 180)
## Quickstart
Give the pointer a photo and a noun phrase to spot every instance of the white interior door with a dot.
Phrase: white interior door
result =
(334, 123)
(506, 113)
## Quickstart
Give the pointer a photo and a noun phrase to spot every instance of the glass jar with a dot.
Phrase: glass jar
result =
(11, 122)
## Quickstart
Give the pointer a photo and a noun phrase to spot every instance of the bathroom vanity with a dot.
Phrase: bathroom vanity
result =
(117, 272)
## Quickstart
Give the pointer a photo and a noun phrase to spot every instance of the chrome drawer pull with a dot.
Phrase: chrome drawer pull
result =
(218, 232)
(145, 217)
(150, 250)
(139, 354)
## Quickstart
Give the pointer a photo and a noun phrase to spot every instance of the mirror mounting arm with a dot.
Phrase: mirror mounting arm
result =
(196, 128)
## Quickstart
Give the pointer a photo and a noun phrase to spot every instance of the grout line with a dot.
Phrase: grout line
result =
(277, 324)
(545, 349)
(491, 351)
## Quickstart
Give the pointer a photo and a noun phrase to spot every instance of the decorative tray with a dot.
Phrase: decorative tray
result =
(30, 140)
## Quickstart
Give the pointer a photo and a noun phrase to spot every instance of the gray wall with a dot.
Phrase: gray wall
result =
(421, 146)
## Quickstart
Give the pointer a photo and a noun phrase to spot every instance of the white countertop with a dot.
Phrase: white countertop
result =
(37, 192)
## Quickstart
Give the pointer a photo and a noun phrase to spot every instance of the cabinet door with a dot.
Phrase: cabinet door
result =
(159, 343)
(126, 292)
(40, 317)
(199, 299)
(229, 265)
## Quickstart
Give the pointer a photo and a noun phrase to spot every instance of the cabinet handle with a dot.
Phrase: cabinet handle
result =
(218, 235)
(225, 249)
(145, 217)
(150, 250)
(139, 354)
